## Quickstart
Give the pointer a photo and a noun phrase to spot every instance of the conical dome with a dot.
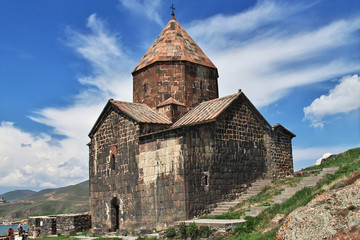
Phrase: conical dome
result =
(174, 44)
(176, 68)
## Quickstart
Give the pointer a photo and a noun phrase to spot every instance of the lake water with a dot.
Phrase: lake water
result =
(5, 228)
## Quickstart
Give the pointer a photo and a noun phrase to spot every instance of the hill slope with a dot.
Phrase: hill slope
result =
(264, 225)
(17, 195)
(71, 199)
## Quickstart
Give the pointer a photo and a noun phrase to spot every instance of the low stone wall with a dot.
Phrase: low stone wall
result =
(42, 226)
(72, 223)
(64, 224)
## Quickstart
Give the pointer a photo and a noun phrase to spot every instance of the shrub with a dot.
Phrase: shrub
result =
(204, 231)
(192, 230)
(170, 232)
(351, 208)
(182, 230)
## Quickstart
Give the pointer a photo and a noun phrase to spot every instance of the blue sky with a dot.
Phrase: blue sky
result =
(61, 60)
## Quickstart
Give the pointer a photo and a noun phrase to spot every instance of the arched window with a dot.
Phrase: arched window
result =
(145, 88)
(112, 162)
(206, 180)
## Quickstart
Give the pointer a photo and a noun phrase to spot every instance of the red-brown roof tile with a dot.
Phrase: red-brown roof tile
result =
(174, 43)
(171, 101)
(206, 111)
(136, 111)
(141, 112)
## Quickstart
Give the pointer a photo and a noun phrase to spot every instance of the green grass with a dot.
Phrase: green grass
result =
(348, 162)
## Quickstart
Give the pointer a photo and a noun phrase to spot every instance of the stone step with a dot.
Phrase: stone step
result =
(228, 203)
(258, 208)
(251, 214)
(253, 190)
(216, 223)
(213, 214)
(305, 182)
(276, 201)
(222, 209)
(221, 206)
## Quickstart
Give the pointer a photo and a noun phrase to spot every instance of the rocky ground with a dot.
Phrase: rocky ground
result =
(334, 214)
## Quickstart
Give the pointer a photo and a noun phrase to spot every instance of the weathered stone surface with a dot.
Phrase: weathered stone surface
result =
(333, 213)
(281, 152)
(276, 220)
(64, 224)
(186, 82)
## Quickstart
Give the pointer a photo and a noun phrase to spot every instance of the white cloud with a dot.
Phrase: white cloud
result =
(39, 164)
(109, 78)
(267, 65)
(219, 30)
(344, 98)
(149, 8)
(110, 64)
(42, 161)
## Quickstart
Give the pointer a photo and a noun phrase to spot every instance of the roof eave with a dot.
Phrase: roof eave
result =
(100, 118)
(162, 61)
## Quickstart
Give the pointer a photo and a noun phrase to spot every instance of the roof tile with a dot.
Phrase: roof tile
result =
(171, 101)
(174, 43)
(141, 112)
(206, 111)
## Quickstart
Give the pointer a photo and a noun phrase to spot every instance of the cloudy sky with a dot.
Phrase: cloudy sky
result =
(61, 60)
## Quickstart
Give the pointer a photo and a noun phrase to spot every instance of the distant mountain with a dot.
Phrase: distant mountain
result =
(25, 203)
(17, 195)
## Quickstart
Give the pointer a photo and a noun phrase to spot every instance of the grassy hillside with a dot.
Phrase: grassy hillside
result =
(71, 199)
(17, 195)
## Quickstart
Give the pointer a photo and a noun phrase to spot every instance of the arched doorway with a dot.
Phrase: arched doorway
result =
(115, 214)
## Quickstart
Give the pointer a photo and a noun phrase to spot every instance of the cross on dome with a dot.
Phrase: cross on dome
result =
(172, 9)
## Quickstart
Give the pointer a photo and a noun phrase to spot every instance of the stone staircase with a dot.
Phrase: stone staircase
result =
(254, 211)
(254, 190)
(290, 191)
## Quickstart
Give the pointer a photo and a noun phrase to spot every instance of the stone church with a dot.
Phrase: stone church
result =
(177, 149)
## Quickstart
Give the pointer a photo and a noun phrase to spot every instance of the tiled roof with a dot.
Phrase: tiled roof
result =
(141, 112)
(206, 111)
(174, 43)
(169, 101)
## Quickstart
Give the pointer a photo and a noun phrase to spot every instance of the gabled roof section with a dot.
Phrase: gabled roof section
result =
(174, 44)
(169, 101)
(206, 111)
(278, 125)
(140, 113)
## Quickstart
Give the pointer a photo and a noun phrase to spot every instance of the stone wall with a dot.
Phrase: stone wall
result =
(186, 82)
(42, 226)
(173, 111)
(161, 179)
(281, 152)
(143, 176)
(199, 172)
(68, 224)
(64, 224)
(223, 157)
(114, 174)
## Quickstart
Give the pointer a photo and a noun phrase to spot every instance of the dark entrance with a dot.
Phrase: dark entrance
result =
(115, 214)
